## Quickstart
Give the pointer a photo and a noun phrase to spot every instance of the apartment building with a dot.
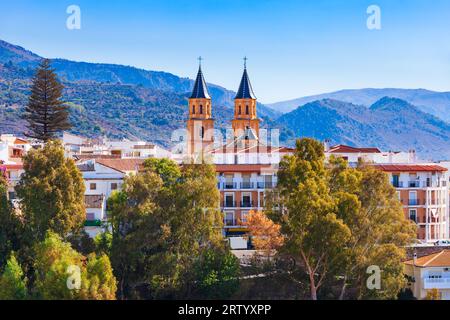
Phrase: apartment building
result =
(423, 191)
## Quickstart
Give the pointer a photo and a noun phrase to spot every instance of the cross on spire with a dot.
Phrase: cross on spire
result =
(245, 62)
(200, 61)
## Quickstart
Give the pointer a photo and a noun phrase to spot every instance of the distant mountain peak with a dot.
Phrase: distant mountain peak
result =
(390, 103)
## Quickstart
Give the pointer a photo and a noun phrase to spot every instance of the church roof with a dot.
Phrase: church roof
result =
(200, 89)
(245, 88)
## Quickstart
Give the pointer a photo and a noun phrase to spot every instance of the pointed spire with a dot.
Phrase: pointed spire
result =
(245, 88)
(200, 90)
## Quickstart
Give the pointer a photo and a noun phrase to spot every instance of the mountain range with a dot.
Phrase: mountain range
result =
(126, 102)
(435, 103)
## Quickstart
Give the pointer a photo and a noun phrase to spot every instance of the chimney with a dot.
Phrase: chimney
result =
(326, 145)
(415, 258)
(412, 156)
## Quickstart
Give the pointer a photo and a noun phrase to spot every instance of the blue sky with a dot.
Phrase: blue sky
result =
(295, 48)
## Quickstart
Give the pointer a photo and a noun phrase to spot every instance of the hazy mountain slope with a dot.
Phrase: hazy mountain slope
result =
(72, 71)
(436, 103)
(390, 124)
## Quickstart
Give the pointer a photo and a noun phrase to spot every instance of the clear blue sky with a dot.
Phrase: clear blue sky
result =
(295, 48)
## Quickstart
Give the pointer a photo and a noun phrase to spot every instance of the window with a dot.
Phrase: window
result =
(240, 110)
(193, 109)
(413, 198)
(201, 109)
(413, 215)
(229, 218)
(90, 216)
(93, 186)
(229, 200)
(395, 181)
(202, 132)
(246, 200)
(229, 184)
(113, 186)
(246, 109)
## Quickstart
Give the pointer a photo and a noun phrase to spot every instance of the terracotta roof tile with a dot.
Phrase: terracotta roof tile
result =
(440, 259)
(122, 165)
(410, 167)
(347, 149)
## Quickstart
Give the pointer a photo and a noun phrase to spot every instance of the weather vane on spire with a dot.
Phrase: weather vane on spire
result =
(245, 62)
(200, 61)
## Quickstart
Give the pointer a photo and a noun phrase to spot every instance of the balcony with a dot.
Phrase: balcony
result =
(229, 204)
(247, 185)
(248, 204)
(230, 185)
(266, 185)
(93, 223)
(436, 283)
(414, 184)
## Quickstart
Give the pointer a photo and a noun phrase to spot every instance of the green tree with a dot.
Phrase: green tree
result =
(46, 113)
(11, 227)
(61, 273)
(52, 193)
(160, 225)
(168, 170)
(13, 284)
(98, 281)
(216, 273)
(307, 213)
(369, 206)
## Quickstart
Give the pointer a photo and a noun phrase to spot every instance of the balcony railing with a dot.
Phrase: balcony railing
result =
(436, 283)
(248, 204)
(418, 184)
(247, 185)
(266, 185)
(229, 204)
(230, 185)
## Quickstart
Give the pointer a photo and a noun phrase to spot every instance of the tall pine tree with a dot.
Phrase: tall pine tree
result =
(46, 113)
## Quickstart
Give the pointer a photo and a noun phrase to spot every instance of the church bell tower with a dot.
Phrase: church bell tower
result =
(245, 123)
(200, 125)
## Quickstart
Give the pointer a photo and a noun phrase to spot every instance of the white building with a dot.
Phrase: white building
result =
(81, 147)
(428, 273)
(101, 178)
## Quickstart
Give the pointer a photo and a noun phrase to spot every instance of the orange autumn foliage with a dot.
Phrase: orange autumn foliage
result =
(265, 233)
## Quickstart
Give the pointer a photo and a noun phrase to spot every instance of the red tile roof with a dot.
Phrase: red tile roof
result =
(340, 148)
(243, 167)
(20, 141)
(410, 167)
(122, 165)
(440, 259)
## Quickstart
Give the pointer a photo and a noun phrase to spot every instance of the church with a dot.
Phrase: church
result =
(246, 163)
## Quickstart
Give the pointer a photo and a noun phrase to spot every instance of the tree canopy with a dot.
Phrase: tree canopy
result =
(52, 192)
(46, 114)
